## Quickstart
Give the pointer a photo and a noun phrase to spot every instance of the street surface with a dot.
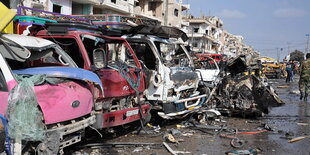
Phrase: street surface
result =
(286, 122)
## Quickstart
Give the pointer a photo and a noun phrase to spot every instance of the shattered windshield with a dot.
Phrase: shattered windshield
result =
(19, 57)
(48, 56)
(114, 51)
(172, 55)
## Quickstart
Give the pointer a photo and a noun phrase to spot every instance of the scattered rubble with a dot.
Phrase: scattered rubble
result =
(174, 152)
(298, 139)
(244, 152)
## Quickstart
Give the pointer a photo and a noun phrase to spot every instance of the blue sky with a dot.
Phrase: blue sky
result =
(265, 24)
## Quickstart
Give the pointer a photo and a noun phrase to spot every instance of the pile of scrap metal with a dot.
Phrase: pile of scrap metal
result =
(244, 94)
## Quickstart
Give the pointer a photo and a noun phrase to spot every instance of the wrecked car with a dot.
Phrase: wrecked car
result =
(172, 84)
(244, 95)
(208, 70)
(114, 61)
(38, 83)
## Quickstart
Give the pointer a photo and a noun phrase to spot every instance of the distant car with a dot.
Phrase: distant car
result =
(271, 70)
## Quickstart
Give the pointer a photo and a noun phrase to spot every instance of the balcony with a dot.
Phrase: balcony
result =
(38, 3)
(94, 2)
(119, 6)
(185, 7)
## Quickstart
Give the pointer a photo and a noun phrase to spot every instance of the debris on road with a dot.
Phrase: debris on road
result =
(284, 86)
(298, 139)
(174, 152)
(236, 143)
(170, 138)
(295, 92)
(138, 149)
(122, 145)
(303, 124)
(244, 152)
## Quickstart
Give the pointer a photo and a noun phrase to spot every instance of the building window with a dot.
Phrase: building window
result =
(176, 12)
(152, 6)
(56, 8)
(196, 30)
(207, 32)
(113, 1)
(137, 4)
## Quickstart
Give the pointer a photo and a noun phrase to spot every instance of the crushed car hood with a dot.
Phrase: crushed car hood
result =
(183, 76)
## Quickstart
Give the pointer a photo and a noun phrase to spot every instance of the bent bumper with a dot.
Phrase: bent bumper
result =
(124, 116)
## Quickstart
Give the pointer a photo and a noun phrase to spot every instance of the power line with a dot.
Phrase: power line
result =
(291, 46)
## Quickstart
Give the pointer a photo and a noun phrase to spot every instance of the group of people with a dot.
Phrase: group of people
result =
(291, 69)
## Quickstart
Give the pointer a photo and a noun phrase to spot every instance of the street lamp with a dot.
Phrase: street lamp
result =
(307, 44)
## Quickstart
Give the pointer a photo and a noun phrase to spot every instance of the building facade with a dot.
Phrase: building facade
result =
(206, 33)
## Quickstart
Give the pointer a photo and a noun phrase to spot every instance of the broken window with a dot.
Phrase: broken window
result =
(176, 12)
(172, 54)
(152, 6)
(56, 8)
(196, 30)
(50, 55)
(119, 52)
(145, 54)
(115, 51)
(137, 4)
(40, 58)
(70, 46)
(113, 1)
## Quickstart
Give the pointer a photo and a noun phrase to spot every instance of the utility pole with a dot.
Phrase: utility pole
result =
(278, 55)
(307, 44)
(288, 48)
(281, 49)
(166, 14)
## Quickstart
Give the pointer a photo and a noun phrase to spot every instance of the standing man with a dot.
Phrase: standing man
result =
(304, 81)
(289, 69)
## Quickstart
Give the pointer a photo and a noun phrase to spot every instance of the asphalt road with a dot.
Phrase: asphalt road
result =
(286, 122)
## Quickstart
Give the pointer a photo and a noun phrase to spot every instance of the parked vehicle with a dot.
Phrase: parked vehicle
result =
(116, 64)
(39, 82)
(172, 84)
(271, 70)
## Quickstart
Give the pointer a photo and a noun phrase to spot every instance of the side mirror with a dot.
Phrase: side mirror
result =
(99, 58)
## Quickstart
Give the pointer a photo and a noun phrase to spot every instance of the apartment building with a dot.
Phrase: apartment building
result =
(167, 12)
(205, 34)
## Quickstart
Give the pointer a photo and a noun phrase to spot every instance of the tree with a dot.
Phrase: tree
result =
(297, 56)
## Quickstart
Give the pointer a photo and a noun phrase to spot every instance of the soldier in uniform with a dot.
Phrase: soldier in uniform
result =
(304, 81)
